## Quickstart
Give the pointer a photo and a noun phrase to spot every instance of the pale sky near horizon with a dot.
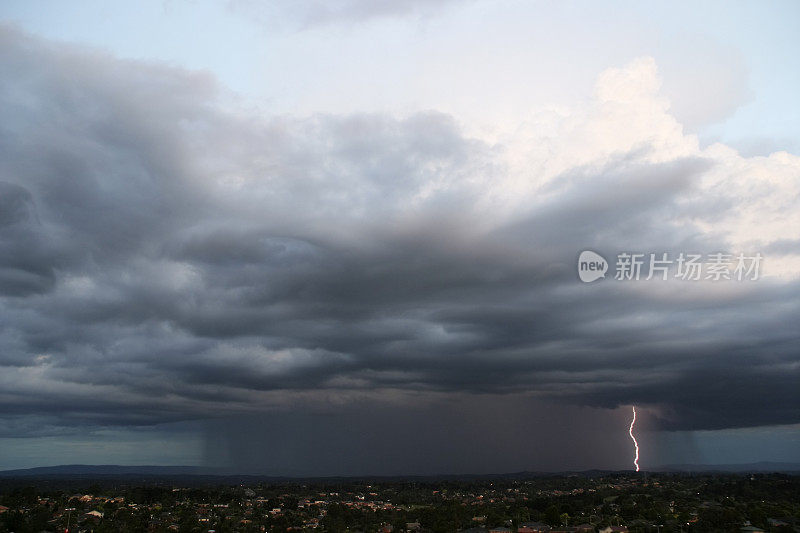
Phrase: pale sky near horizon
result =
(441, 152)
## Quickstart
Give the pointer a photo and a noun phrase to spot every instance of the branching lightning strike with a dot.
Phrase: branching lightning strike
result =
(635, 444)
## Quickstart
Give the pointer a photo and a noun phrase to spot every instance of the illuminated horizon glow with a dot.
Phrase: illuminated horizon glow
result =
(635, 444)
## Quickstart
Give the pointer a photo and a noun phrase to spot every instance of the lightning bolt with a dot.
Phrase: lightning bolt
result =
(635, 444)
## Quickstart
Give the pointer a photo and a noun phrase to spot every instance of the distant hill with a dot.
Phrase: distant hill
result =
(764, 466)
(105, 470)
(173, 472)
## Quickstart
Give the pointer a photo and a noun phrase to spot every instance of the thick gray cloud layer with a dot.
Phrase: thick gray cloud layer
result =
(165, 257)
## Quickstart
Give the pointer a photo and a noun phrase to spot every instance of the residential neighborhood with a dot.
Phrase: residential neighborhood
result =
(581, 503)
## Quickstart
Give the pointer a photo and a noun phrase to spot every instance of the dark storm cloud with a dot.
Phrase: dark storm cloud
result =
(164, 257)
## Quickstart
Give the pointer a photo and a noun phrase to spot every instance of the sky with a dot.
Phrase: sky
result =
(342, 238)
